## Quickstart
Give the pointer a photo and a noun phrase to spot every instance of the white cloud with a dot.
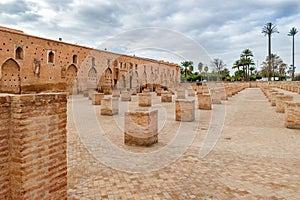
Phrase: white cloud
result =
(224, 30)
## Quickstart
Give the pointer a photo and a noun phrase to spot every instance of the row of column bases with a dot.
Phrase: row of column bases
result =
(141, 125)
(284, 104)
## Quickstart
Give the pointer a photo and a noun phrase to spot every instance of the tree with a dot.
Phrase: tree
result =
(187, 68)
(247, 61)
(292, 33)
(200, 67)
(225, 74)
(237, 64)
(269, 29)
(218, 65)
(277, 64)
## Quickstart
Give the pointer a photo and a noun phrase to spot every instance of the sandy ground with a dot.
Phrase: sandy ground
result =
(254, 157)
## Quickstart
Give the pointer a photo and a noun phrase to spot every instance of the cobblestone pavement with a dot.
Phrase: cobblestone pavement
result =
(256, 157)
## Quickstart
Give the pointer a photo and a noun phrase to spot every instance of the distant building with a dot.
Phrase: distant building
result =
(31, 64)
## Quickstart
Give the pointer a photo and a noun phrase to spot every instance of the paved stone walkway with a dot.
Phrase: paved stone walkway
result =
(255, 157)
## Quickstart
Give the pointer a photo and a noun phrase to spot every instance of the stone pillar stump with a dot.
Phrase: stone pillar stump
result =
(141, 127)
(110, 106)
(185, 110)
(204, 101)
(125, 96)
(292, 115)
(96, 98)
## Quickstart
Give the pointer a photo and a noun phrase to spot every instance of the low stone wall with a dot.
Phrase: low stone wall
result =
(292, 115)
(35, 128)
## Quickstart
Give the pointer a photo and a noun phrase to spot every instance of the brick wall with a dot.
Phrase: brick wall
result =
(37, 140)
(36, 73)
(4, 146)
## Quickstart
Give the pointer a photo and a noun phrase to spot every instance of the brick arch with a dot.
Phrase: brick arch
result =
(144, 78)
(92, 78)
(135, 79)
(10, 77)
(106, 81)
(71, 76)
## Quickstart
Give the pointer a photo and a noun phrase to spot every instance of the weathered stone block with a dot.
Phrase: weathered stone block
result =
(191, 92)
(110, 106)
(141, 127)
(204, 101)
(91, 92)
(215, 96)
(292, 115)
(180, 93)
(273, 97)
(85, 93)
(280, 102)
(145, 99)
(133, 91)
(166, 96)
(158, 91)
(116, 93)
(125, 96)
(96, 98)
(185, 110)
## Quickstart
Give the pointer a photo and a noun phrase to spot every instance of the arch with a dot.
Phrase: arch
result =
(130, 82)
(165, 81)
(116, 75)
(92, 78)
(93, 61)
(71, 75)
(144, 78)
(152, 78)
(51, 57)
(10, 79)
(123, 82)
(19, 53)
(106, 81)
(135, 80)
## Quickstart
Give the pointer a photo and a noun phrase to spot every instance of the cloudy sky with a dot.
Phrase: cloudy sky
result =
(196, 30)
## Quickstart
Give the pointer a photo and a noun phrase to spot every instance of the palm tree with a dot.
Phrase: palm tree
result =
(269, 29)
(247, 61)
(292, 33)
(237, 65)
(187, 67)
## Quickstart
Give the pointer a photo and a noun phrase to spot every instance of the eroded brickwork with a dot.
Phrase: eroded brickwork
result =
(4, 147)
(35, 132)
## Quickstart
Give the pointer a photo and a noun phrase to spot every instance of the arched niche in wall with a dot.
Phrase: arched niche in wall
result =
(71, 76)
(10, 77)
(92, 78)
